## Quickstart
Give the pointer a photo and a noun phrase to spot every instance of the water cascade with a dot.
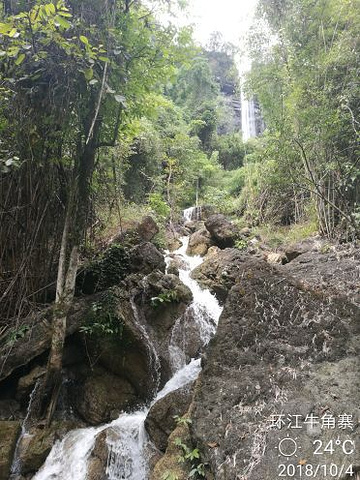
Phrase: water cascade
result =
(127, 440)
(248, 118)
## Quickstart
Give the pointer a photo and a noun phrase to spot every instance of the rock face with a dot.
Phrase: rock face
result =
(222, 231)
(288, 351)
(103, 396)
(199, 242)
(145, 258)
(160, 421)
(147, 228)
(98, 458)
(220, 271)
(9, 432)
(169, 463)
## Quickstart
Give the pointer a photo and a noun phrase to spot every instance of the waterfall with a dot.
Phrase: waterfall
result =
(248, 118)
(192, 213)
(16, 464)
(127, 440)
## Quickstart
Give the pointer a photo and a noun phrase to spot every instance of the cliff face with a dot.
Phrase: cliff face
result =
(280, 379)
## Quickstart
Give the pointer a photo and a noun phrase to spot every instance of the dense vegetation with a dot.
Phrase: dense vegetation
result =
(105, 113)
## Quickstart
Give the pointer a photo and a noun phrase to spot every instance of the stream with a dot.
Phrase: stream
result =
(127, 440)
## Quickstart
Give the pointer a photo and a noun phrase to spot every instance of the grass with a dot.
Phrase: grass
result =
(276, 236)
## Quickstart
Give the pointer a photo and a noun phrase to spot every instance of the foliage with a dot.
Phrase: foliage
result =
(193, 457)
(165, 297)
(304, 70)
(103, 317)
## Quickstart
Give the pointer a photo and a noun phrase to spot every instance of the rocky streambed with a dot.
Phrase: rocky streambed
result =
(279, 391)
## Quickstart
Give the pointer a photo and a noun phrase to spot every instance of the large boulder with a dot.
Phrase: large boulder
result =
(199, 242)
(292, 355)
(35, 447)
(103, 396)
(145, 258)
(9, 432)
(147, 228)
(220, 270)
(98, 458)
(222, 231)
(160, 421)
(163, 299)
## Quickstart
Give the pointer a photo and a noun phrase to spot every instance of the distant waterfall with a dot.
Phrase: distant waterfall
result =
(252, 123)
(248, 118)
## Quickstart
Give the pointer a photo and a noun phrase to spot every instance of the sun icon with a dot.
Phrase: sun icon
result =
(287, 447)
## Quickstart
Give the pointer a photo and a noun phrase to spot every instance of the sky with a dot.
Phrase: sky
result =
(230, 17)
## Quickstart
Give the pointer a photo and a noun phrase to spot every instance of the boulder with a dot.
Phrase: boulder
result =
(27, 383)
(199, 242)
(147, 228)
(35, 447)
(145, 258)
(220, 271)
(169, 464)
(98, 459)
(222, 231)
(160, 421)
(288, 351)
(275, 258)
(9, 432)
(163, 299)
(37, 339)
(103, 396)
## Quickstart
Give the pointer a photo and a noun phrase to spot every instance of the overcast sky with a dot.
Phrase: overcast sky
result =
(230, 17)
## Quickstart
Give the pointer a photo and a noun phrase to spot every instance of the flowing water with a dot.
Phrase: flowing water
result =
(127, 439)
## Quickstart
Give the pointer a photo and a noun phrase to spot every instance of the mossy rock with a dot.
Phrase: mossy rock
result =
(9, 432)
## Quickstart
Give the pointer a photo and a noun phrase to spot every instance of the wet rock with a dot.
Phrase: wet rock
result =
(193, 225)
(9, 432)
(199, 242)
(220, 271)
(103, 396)
(288, 351)
(169, 463)
(98, 459)
(222, 231)
(9, 409)
(145, 258)
(163, 300)
(35, 447)
(173, 268)
(147, 228)
(160, 421)
(27, 383)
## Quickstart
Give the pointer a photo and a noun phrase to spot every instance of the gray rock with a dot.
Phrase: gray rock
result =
(160, 421)
(102, 396)
(199, 242)
(146, 258)
(9, 432)
(147, 228)
(222, 231)
(287, 351)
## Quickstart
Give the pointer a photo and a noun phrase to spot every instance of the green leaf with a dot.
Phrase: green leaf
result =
(104, 59)
(20, 59)
(88, 73)
(84, 40)
(62, 22)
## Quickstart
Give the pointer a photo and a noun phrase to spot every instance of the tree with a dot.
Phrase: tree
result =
(75, 71)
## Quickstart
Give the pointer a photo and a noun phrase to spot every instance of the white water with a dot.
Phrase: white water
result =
(248, 118)
(16, 464)
(127, 440)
